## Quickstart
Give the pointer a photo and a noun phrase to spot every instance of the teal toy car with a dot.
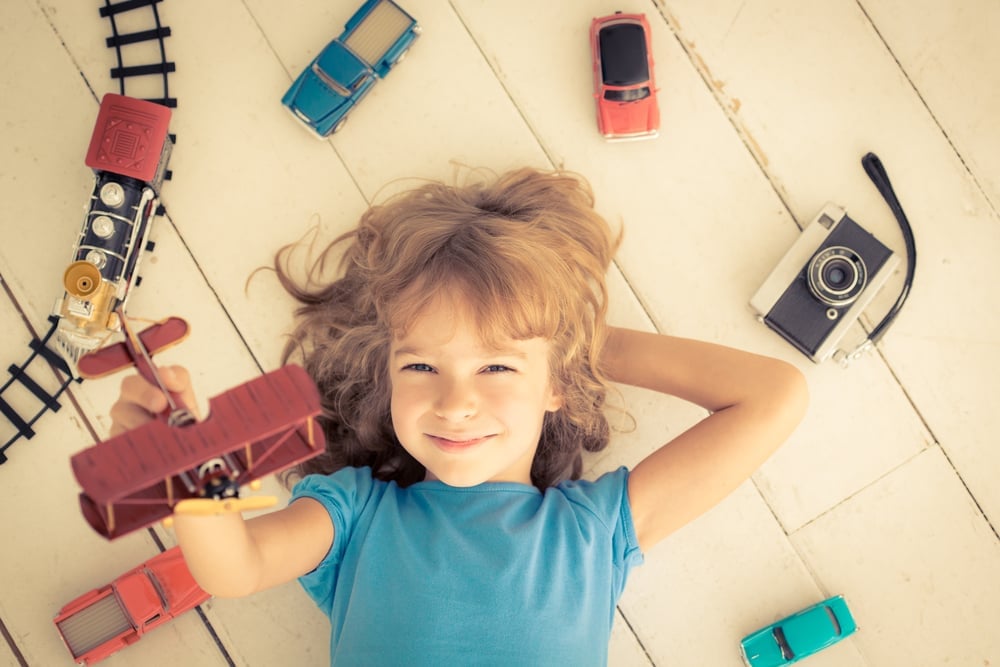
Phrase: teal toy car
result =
(375, 39)
(800, 635)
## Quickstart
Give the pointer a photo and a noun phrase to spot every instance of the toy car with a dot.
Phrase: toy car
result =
(109, 618)
(800, 635)
(375, 39)
(624, 85)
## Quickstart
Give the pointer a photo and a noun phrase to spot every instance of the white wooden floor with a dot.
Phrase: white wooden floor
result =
(888, 492)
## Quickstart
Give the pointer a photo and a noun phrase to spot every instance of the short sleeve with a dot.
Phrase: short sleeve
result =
(345, 494)
(607, 499)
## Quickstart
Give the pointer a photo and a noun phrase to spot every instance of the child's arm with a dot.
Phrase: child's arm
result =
(756, 402)
(227, 555)
(233, 557)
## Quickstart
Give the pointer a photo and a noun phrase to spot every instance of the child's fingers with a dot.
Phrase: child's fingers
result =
(126, 416)
(140, 401)
(135, 390)
(177, 380)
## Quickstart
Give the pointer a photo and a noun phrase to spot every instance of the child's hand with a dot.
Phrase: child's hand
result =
(140, 401)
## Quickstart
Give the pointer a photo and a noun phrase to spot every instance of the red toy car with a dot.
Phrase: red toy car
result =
(624, 86)
(109, 618)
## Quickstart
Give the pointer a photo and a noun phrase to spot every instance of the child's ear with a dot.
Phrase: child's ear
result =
(555, 400)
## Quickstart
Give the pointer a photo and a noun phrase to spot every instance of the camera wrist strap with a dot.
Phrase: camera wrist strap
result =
(876, 172)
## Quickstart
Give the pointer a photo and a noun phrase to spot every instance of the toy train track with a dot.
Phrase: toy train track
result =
(116, 13)
(21, 378)
(133, 23)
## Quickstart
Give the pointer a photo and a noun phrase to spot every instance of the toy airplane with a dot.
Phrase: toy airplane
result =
(139, 477)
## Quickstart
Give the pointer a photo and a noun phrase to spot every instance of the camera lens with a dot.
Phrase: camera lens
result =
(837, 275)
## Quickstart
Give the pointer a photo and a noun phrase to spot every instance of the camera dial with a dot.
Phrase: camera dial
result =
(837, 275)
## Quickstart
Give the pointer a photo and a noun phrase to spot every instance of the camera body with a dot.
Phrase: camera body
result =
(823, 283)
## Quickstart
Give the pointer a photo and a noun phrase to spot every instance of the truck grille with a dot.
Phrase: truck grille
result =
(94, 625)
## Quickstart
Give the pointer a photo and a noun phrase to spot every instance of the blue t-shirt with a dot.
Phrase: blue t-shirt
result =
(495, 574)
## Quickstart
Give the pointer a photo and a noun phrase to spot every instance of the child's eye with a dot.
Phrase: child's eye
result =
(498, 368)
(421, 368)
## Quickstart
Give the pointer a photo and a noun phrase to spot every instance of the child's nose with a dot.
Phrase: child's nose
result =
(455, 402)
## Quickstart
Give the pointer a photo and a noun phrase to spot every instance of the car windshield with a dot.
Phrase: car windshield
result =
(623, 54)
(339, 69)
(786, 650)
(833, 619)
(630, 95)
(159, 588)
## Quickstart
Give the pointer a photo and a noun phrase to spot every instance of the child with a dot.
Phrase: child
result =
(464, 360)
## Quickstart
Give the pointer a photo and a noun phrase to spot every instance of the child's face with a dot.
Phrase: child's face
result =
(467, 412)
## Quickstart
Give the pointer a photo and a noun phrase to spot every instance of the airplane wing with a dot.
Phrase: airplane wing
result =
(264, 426)
(113, 358)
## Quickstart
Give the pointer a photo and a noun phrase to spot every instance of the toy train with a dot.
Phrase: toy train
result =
(129, 151)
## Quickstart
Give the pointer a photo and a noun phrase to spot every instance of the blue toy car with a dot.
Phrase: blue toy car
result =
(799, 635)
(375, 39)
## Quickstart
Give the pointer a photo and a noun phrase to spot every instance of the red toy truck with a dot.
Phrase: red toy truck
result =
(109, 618)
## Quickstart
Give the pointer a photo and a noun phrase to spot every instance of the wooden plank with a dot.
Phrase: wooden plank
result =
(949, 52)
(841, 102)
(624, 650)
(52, 556)
(45, 194)
(8, 654)
(914, 536)
(718, 579)
(243, 189)
(53, 172)
(442, 107)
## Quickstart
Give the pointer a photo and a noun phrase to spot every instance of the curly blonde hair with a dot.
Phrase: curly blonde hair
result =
(527, 252)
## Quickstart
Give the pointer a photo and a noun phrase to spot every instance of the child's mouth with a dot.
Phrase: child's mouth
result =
(457, 444)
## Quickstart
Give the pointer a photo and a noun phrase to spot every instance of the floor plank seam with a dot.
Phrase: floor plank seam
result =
(825, 592)
(972, 497)
(13, 646)
(913, 86)
(510, 97)
(66, 50)
(879, 479)
(935, 441)
(215, 294)
(727, 106)
(638, 639)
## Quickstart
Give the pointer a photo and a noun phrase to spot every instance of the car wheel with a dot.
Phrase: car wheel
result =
(400, 57)
(340, 124)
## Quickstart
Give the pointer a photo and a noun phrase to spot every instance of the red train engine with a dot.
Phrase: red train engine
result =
(129, 151)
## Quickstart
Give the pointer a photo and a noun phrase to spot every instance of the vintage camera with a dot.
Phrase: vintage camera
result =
(823, 283)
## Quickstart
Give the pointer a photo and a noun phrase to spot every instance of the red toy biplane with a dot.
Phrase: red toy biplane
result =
(137, 478)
